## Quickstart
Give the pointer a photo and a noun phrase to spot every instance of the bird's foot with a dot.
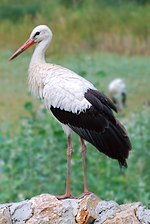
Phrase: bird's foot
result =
(65, 196)
(84, 194)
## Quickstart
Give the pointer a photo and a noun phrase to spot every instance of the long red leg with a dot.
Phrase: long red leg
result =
(83, 151)
(69, 151)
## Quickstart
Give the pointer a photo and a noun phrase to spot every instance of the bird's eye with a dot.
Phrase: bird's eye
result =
(36, 34)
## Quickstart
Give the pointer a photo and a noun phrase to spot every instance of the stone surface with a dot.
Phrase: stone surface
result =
(87, 209)
(20, 212)
(47, 209)
(143, 214)
(5, 217)
(112, 213)
(106, 210)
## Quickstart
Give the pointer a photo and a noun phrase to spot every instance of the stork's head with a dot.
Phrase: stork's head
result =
(40, 34)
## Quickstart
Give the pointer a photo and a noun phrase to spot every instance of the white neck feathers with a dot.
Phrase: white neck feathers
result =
(39, 52)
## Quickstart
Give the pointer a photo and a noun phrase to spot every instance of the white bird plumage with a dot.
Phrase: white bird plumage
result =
(75, 103)
(118, 92)
(117, 86)
(59, 87)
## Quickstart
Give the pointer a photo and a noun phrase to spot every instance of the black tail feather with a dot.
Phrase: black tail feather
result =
(111, 142)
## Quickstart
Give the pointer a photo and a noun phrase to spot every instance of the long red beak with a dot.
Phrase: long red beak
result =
(24, 47)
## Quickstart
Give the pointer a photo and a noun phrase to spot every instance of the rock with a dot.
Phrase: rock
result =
(87, 209)
(47, 209)
(17, 213)
(111, 213)
(106, 210)
(143, 214)
(5, 217)
(20, 212)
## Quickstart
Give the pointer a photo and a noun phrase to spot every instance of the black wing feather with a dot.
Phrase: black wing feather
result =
(98, 126)
(102, 98)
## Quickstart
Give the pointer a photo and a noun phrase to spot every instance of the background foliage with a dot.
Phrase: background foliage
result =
(111, 25)
(101, 40)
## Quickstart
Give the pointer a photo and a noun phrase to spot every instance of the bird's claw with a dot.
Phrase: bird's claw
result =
(65, 196)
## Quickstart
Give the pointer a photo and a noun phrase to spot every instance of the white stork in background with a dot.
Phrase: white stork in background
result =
(118, 93)
(76, 104)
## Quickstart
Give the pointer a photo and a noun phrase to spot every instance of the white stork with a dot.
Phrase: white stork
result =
(118, 93)
(76, 104)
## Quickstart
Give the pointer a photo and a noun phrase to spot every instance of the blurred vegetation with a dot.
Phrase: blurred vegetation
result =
(112, 25)
(32, 144)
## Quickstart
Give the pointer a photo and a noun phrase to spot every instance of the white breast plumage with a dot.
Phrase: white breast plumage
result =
(59, 87)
